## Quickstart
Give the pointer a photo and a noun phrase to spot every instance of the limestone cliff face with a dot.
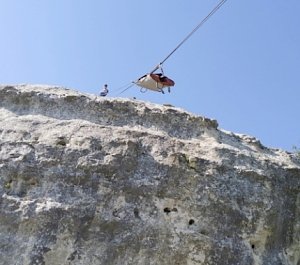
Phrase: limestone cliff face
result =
(87, 180)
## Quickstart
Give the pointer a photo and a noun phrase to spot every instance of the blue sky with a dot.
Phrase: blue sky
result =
(241, 68)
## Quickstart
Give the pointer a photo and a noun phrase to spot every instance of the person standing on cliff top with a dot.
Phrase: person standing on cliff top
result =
(104, 91)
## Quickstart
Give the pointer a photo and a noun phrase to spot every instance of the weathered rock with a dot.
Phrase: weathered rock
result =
(89, 180)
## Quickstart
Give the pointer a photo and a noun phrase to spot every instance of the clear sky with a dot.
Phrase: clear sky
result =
(241, 68)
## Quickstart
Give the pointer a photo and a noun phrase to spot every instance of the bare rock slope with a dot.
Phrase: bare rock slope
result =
(87, 180)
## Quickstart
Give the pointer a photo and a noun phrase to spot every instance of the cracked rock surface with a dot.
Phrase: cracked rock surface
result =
(86, 180)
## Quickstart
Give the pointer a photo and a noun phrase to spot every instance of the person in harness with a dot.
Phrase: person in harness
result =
(155, 81)
(104, 91)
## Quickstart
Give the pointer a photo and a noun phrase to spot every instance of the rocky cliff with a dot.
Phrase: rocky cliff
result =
(87, 180)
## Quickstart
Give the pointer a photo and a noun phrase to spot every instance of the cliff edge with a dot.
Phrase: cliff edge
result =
(90, 180)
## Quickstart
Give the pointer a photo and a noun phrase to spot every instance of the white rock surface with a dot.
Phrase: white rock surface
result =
(90, 180)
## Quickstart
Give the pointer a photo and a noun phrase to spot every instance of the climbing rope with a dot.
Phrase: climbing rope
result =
(127, 87)
(190, 34)
(159, 66)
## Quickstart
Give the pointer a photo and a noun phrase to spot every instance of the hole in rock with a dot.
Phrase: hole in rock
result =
(61, 143)
(167, 210)
(136, 213)
(191, 221)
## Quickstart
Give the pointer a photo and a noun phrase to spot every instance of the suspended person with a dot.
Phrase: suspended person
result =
(104, 91)
(165, 81)
(155, 81)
